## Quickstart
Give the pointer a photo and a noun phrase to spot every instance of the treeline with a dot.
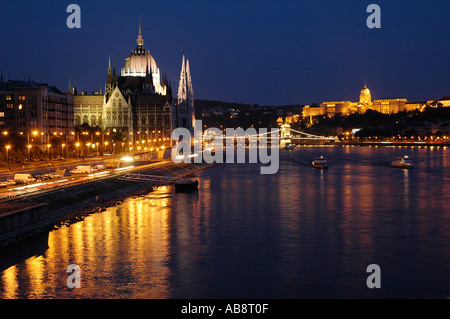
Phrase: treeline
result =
(233, 115)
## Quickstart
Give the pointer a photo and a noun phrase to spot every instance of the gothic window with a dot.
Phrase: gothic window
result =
(93, 120)
(85, 119)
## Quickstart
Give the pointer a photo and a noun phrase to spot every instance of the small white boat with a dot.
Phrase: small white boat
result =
(403, 162)
(320, 162)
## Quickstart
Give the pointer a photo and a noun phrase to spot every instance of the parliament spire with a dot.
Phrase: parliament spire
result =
(140, 40)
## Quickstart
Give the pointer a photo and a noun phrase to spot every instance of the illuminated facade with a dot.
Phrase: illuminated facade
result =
(137, 101)
(140, 63)
(445, 101)
(36, 111)
(385, 106)
(185, 112)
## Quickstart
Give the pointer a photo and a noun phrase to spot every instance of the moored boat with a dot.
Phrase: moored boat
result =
(186, 185)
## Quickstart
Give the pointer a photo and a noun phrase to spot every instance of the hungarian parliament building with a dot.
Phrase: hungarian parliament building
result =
(138, 100)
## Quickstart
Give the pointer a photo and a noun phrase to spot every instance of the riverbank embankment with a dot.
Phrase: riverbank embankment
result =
(73, 203)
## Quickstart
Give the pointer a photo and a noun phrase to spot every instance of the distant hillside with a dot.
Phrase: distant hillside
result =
(227, 114)
(205, 104)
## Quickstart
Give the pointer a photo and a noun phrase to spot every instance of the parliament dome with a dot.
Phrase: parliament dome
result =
(139, 60)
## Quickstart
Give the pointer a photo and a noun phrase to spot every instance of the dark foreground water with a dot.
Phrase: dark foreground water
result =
(301, 233)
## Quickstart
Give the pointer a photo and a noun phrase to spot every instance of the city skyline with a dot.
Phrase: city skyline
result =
(241, 150)
(266, 53)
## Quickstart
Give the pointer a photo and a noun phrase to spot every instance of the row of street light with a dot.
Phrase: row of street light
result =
(108, 147)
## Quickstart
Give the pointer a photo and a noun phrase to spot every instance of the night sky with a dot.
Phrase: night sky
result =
(263, 52)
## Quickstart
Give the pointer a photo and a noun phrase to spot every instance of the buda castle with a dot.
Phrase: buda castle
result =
(385, 106)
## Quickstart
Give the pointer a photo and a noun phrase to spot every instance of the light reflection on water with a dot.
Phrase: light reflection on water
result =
(300, 233)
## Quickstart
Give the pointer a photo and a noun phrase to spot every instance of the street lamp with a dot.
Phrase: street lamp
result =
(29, 147)
(7, 149)
(49, 145)
(62, 149)
(76, 146)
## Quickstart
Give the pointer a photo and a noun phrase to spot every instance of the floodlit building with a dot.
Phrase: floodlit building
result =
(385, 106)
(184, 111)
(139, 101)
(37, 111)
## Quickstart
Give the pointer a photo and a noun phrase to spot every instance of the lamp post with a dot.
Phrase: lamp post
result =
(88, 144)
(76, 147)
(28, 147)
(7, 149)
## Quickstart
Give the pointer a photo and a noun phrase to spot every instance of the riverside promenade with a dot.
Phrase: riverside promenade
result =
(69, 199)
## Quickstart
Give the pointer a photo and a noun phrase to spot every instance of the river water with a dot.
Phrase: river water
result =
(300, 233)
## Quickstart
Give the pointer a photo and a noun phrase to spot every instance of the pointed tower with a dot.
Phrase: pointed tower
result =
(185, 113)
(190, 89)
(109, 80)
(140, 40)
(69, 89)
(182, 83)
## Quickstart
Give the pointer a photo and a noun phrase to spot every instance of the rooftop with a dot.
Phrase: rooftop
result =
(11, 85)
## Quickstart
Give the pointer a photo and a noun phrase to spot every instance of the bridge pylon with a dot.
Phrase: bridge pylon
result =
(286, 136)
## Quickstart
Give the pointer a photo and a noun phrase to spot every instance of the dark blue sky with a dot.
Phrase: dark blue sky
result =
(264, 52)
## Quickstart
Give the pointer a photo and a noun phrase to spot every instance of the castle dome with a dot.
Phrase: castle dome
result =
(365, 91)
(365, 97)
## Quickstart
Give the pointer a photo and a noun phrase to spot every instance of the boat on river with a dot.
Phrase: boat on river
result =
(403, 162)
(320, 162)
(186, 185)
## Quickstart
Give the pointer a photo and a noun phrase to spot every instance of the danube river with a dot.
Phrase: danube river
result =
(300, 233)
